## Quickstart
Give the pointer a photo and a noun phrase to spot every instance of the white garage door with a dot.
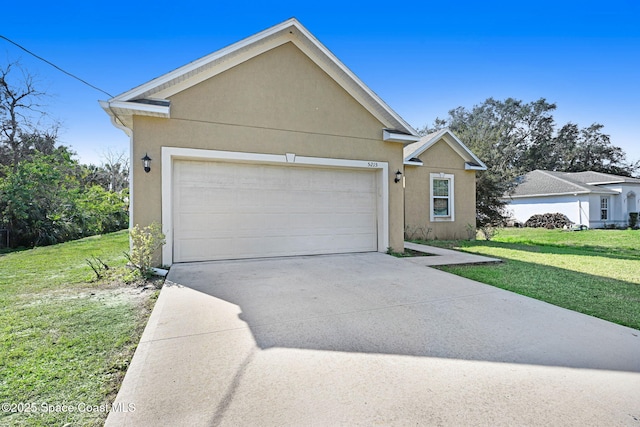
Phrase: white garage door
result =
(240, 210)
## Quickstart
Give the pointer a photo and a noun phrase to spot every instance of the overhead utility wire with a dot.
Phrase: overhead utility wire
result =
(55, 66)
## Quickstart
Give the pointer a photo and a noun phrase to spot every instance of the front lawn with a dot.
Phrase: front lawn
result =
(596, 272)
(66, 339)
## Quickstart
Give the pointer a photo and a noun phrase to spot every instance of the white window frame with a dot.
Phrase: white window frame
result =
(438, 218)
(604, 208)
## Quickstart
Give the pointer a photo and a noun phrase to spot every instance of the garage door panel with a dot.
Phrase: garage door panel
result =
(206, 226)
(238, 210)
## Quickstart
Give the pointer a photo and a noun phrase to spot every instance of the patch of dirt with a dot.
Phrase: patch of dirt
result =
(413, 253)
(111, 293)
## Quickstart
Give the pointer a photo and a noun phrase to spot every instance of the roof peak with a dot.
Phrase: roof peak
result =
(417, 148)
(291, 30)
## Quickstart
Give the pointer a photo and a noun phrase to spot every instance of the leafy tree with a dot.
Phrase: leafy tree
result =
(592, 150)
(513, 137)
(501, 133)
(36, 200)
(46, 196)
(43, 201)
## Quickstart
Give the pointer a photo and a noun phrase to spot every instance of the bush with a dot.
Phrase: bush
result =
(145, 242)
(633, 219)
(42, 202)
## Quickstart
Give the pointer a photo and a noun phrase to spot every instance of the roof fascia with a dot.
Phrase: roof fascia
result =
(194, 72)
(389, 135)
(122, 112)
(198, 63)
(527, 196)
(410, 163)
(566, 193)
(424, 147)
(607, 182)
(457, 145)
(473, 167)
(140, 109)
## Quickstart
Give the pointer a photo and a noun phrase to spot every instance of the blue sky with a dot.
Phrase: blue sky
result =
(423, 58)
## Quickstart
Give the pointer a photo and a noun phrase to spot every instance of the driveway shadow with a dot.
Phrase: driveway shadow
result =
(374, 303)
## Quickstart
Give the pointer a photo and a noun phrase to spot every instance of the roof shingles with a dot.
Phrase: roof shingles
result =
(548, 183)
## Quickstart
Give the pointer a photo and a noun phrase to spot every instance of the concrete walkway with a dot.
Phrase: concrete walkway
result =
(369, 339)
(442, 256)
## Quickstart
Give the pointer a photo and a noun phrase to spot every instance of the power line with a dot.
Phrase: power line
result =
(55, 66)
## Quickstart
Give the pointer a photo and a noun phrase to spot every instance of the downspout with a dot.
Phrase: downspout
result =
(580, 210)
(404, 206)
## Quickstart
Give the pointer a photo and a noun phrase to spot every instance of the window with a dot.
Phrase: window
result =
(441, 197)
(604, 208)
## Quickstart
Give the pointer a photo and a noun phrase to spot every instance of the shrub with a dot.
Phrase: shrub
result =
(633, 219)
(42, 202)
(145, 242)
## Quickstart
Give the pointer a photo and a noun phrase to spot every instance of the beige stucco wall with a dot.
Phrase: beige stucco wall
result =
(439, 158)
(278, 102)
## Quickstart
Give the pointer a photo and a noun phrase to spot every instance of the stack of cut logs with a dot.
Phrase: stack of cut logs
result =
(548, 220)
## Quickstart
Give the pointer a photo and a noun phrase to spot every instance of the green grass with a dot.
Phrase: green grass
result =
(65, 339)
(603, 241)
(596, 272)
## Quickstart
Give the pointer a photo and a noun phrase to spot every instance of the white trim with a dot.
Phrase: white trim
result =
(568, 193)
(194, 66)
(608, 182)
(607, 208)
(448, 218)
(202, 75)
(453, 141)
(287, 31)
(469, 167)
(410, 163)
(398, 137)
(131, 172)
(169, 154)
(139, 108)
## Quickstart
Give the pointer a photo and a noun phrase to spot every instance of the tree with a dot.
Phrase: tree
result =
(43, 201)
(21, 114)
(36, 200)
(501, 133)
(512, 138)
(46, 196)
(592, 150)
(116, 167)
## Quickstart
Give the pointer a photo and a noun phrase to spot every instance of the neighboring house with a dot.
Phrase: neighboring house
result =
(268, 147)
(587, 198)
(440, 187)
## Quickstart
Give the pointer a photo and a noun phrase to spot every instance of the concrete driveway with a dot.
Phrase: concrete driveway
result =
(368, 339)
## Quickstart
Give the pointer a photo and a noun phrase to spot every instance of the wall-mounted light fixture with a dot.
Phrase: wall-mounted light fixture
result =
(398, 176)
(146, 162)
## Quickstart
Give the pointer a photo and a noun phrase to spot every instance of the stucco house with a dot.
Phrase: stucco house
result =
(268, 147)
(594, 199)
(440, 187)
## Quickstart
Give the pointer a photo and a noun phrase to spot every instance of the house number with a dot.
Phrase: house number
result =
(372, 164)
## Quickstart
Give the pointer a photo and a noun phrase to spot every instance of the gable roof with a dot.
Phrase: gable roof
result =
(150, 99)
(548, 183)
(415, 150)
(597, 178)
